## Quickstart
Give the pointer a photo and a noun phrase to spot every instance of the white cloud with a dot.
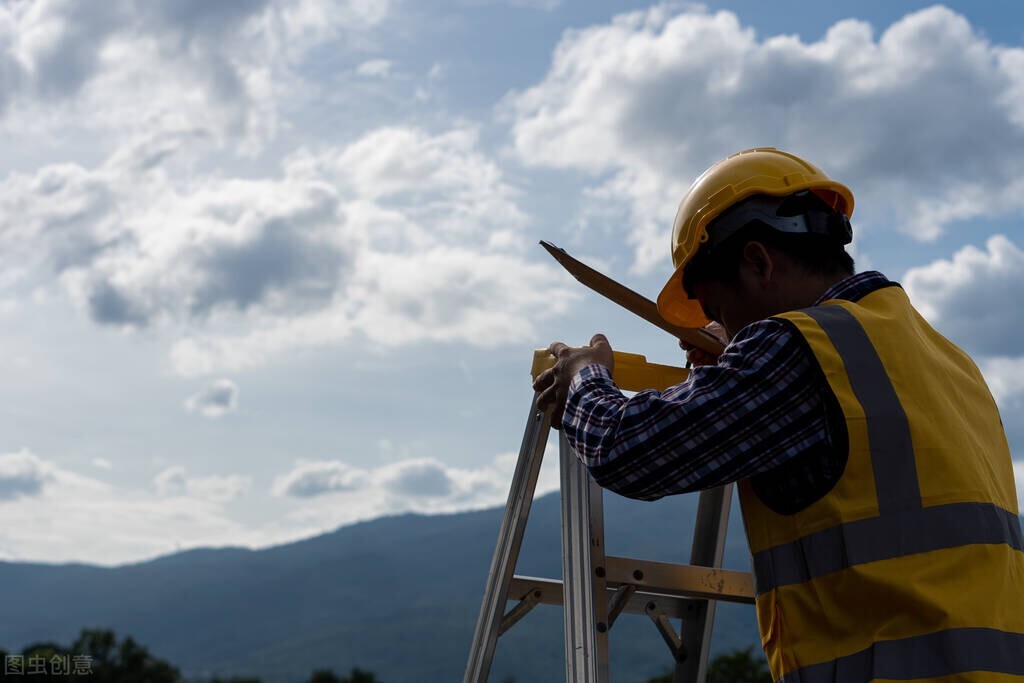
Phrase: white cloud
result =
(170, 481)
(22, 474)
(102, 464)
(219, 488)
(340, 493)
(399, 237)
(421, 478)
(646, 102)
(216, 399)
(313, 478)
(1005, 377)
(375, 68)
(1018, 474)
(134, 246)
(975, 296)
(546, 5)
(174, 481)
(222, 67)
(70, 517)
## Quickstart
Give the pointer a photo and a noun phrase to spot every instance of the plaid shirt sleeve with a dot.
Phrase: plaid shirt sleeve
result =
(758, 407)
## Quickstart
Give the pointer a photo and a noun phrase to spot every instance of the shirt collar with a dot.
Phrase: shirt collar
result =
(856, 286)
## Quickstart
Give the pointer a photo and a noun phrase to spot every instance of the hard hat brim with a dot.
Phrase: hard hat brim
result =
(676, 306)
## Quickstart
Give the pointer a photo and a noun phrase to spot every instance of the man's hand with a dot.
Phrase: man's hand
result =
(553, 383)
(697, 357)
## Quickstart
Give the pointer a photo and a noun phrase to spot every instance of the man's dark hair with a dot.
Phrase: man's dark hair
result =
(817, 254)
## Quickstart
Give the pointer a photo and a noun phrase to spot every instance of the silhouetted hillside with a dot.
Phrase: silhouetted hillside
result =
(398, 596)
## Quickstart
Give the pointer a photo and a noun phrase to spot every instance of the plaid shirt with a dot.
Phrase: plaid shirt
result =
(760, 406)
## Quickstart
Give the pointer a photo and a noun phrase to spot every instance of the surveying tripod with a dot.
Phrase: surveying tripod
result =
(597, 588)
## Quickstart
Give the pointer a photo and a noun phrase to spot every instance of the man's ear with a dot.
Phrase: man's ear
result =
(758, 260)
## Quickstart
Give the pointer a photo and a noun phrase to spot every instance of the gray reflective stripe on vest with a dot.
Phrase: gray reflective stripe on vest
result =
(882, 538)
(902, 526)
(956, 650)
(892, 452)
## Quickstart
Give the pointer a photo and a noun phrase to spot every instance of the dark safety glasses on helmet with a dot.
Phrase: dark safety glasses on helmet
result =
(798, 213)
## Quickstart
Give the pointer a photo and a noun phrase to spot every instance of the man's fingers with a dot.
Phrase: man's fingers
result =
(552, 385)
(557, 349)
(544, 379)
(557, 408)
(698, 357)
(553, 400)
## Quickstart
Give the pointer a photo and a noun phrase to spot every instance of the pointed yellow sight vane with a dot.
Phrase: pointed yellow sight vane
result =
(633, 302)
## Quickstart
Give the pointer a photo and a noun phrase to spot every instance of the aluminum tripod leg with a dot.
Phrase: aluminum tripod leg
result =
(707, 551)
(583, 572)
(510, 539)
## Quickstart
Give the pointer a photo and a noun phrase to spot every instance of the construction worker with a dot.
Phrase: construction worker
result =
(874, 474)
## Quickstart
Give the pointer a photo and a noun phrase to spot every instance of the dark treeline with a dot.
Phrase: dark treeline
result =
(741, 666)
(97, 656)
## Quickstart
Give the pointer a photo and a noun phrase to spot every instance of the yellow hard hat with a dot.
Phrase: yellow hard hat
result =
(764, 171)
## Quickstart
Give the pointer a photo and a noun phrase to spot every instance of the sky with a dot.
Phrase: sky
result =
(268, 267)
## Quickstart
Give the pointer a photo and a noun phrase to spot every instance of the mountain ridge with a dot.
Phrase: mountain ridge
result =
(350, 597)
(398, 595)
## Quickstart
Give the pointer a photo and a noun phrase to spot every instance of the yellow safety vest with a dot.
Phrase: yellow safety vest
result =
(912, 566)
